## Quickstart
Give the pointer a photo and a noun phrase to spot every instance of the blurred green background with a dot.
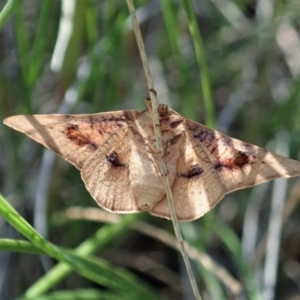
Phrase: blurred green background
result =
(241, 76)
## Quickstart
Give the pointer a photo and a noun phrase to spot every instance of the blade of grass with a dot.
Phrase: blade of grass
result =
(91, 25)
(98, 215)
(104, 273)
(233, 244)
(200, 54)
(21, 246)
(96, 269)
(23, 56)
(101, 238)
(79, 294)
(7, 11)
(87, 267)
(185, 91)
(37, 49)
(13, 218)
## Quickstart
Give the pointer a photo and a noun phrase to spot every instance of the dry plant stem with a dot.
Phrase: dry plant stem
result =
(159, 146)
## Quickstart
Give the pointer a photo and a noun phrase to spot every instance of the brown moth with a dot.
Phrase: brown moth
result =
(115, 152)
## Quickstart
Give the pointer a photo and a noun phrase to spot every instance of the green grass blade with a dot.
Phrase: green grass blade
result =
(23, 47)
(19, 246)
(101, 238)
(96, 269)
(13, 218)
(229, 238)
(87, 267)
(7, 11)
(37, 50)
(78, 294)
(108, 275)
(200, 54)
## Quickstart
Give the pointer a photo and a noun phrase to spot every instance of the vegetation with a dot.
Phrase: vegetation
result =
(233, 65)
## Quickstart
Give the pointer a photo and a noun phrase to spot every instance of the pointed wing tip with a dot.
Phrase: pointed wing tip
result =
(16, 122)
(24, 122)
(10, 121)
(285, 166)
(6, 121)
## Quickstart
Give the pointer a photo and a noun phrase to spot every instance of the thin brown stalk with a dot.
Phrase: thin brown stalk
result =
(159, 145)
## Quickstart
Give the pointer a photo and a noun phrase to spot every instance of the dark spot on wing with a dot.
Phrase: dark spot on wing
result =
(129, 115)
(74, 134)
(227, 141)
(175, 139)
(194, 171)
(71, 126)
(238, 161)
(93, 146)
(204, 136)
(113, 160)
(121, 120)
(218, 166)
(101, 131)
(92, 122)
(176, 123)
(241, 159)
(136, 135)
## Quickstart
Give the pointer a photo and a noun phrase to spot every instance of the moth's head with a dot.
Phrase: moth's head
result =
(169, 119)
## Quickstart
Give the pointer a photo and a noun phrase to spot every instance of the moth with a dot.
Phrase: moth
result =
(115, 152)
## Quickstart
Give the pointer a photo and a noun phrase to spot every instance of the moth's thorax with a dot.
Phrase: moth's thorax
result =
(170, 120)
(145, 177)
(170, 124)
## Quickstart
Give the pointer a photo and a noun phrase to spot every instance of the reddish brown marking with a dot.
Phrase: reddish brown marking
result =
(239, 161)
(73, 133)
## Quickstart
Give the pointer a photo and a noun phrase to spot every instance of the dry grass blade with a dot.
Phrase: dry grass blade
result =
(158, 138)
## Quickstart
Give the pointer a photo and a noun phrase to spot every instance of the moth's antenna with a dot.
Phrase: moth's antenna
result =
(159, 145)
